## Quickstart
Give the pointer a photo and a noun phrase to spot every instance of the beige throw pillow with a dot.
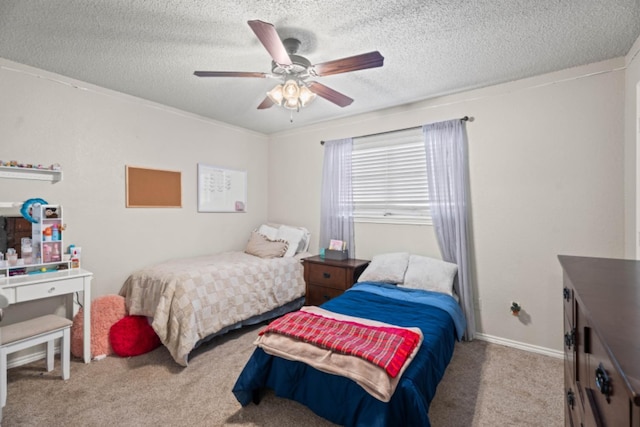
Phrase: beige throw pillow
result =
(262, 247)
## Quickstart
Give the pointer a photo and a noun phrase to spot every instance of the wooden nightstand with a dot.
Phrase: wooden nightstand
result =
(327, 278)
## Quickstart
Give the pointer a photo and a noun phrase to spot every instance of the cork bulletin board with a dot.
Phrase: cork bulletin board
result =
(153, 188)
(221, 189)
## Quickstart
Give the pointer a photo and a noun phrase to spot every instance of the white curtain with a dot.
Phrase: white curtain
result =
(336, 210)
(448, 175)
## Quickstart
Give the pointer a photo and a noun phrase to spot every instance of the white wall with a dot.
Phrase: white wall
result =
(632, 159)
(547, 178)
(93, 133)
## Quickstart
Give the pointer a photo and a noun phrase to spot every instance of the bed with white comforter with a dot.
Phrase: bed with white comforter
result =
(191, 299)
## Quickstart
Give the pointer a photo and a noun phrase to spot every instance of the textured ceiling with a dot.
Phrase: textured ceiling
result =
(150, 48)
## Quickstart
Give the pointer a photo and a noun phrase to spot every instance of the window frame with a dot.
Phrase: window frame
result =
(392, 154)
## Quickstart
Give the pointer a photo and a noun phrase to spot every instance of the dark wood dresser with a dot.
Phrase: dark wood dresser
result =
(601, 341)
(326, 278)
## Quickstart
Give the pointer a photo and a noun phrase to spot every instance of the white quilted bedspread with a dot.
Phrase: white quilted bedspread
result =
(192, 298)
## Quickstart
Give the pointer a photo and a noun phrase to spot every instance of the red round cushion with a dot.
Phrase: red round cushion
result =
(132, 336)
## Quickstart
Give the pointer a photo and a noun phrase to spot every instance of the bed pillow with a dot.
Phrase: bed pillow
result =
(294, 236)
(388, 268)
(430, 274)
(269, 231)
(304, 242)
(260, 246)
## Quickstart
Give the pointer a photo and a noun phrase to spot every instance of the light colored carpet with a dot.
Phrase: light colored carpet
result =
(485, 385)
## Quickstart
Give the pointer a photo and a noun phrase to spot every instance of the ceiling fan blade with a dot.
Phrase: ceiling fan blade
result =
(353, 63)
(270, 39)
(329, 94)
(266, 103)
(229, 74)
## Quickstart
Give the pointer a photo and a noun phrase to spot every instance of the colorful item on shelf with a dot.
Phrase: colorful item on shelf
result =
(55, 233)
(25, 210)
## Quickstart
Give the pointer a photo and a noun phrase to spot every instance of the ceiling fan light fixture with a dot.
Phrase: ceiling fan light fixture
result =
(291, 95)
(276, 95)
(306, 96)
(291, 90)
(291, 104)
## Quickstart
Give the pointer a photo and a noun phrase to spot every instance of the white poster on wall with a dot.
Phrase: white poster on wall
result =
(221, 190)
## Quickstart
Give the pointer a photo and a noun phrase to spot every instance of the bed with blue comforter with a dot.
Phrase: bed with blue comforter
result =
(341, 400)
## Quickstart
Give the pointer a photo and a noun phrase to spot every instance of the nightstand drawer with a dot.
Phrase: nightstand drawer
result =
(317, 295)
(329, 276)
(49, 289)
(326, 279)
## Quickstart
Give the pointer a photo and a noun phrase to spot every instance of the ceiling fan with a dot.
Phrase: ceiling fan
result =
(295, 71)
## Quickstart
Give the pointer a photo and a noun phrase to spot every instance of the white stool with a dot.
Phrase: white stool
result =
(21, 335)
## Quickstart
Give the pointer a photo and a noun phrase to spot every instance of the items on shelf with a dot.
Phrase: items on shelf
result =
(27, 250)
(75, 256)
(52, 173)
(12, 257)
(43, 252)
(47, 239)
(16, 164)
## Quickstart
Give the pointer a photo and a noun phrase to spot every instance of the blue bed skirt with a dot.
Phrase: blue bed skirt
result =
(341, 400)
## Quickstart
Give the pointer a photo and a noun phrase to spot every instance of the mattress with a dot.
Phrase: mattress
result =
(343, 401)
(191, 299)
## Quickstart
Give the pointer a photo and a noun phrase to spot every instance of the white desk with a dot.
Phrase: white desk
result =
(31, 287)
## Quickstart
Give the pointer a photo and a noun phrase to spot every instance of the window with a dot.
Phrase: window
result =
(390, 178)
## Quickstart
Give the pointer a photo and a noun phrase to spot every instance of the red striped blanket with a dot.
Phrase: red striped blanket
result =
(387, 347)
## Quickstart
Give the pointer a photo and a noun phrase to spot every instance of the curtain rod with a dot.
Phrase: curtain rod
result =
(464, 119)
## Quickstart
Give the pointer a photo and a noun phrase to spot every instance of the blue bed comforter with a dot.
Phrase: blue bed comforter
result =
(340, 399)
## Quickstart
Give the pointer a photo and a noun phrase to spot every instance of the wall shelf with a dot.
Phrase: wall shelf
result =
(49, 175)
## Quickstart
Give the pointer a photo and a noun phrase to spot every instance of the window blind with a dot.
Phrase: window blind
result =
(390, 178)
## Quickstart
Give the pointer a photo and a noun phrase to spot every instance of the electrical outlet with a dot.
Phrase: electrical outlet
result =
(515, 308)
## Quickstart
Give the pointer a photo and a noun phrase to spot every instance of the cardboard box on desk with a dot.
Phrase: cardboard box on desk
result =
(336, 255)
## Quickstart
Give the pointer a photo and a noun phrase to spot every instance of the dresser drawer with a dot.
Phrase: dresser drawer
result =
(10, 293)
(48, 289)
(317, 295)
(569, 339)
(571, 402)
(567, 300)
(328, 276)
(612, 407)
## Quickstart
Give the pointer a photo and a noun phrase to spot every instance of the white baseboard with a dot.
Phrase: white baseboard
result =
(520, 345)
(23, 359)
